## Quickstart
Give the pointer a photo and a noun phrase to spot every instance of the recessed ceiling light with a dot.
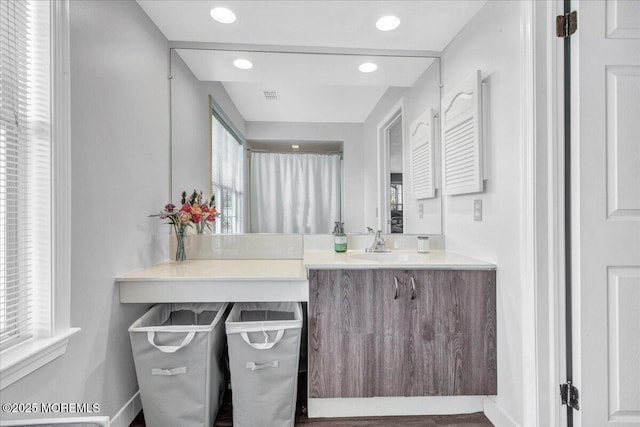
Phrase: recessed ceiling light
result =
(368, 67)
(295, 146)
(388, 23)
(223, 15)
(243, 64)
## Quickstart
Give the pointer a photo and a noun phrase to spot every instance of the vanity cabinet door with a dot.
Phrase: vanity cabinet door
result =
(452, 333)
(354, 345)
(435, 336)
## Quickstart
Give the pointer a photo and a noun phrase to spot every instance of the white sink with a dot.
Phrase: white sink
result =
(390, 257)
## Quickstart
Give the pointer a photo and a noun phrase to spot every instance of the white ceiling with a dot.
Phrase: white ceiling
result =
(425, 25)
(313, 103)
(311, 88)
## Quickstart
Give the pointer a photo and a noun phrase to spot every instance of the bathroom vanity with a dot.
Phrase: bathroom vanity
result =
(388, 333)
(396, 332)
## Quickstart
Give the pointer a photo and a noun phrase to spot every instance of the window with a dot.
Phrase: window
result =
(34, 312)
(25, 239)
(227, 173)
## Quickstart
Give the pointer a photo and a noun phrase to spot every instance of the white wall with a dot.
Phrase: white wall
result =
(190, 127)
(351, 136)
(120, 158)
(424, 94)
(491, 43)
(222, 98)
(370, 152)
(190, 132)
(396, 165)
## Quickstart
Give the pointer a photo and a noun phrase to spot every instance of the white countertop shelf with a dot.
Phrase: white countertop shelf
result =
(217, 281)
(221, 269)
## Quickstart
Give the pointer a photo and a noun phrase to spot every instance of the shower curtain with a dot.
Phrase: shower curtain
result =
(295, 192)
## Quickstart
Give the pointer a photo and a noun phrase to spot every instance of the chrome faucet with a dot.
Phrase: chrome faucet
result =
(378, 242)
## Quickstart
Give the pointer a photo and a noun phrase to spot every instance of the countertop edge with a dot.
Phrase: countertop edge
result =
(398, 266)
(211, 279)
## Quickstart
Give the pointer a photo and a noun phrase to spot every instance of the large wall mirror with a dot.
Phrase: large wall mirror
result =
(292, 142)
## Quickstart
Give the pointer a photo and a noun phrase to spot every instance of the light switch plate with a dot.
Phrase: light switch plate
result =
(420, 210)
(477, 210)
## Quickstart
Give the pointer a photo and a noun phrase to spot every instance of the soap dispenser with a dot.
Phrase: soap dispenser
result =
(339, 237)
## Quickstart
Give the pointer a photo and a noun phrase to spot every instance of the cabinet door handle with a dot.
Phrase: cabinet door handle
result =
(395, 281)
(413, 288)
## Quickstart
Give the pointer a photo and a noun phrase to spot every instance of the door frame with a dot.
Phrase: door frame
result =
(543, 213)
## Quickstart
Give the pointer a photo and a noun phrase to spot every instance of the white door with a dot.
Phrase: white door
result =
(606, 211)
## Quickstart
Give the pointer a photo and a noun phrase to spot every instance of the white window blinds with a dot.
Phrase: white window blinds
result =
(25, 237)
(227, 178)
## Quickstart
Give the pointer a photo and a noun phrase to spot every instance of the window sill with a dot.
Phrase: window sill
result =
(25, 358)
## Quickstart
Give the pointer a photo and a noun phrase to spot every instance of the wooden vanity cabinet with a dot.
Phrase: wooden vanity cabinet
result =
(402, 333)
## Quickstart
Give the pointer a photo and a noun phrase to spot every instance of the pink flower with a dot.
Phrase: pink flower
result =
(196, 218)
(184, 217)
(185, 208)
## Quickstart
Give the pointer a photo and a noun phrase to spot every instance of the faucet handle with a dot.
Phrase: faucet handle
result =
(370, 230)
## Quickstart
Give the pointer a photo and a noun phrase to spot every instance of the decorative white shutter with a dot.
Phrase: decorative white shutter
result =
(422, 174)
(462, 138)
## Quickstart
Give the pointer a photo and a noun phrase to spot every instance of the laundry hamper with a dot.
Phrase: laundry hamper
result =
(179, 355)
(264, 345)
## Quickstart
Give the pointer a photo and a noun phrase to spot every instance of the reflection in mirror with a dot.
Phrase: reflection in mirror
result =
(294, 187)
(227, 171)
(394, 143)
(293, 143)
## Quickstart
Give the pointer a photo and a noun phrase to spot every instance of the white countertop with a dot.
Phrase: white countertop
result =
(217, 281)
(267, 279)
(433, 260)
(219, 269)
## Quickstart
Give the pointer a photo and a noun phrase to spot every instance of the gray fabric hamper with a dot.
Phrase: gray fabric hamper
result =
(179, 355)
(264, 346)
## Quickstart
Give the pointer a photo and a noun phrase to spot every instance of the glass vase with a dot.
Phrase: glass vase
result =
(181, 255)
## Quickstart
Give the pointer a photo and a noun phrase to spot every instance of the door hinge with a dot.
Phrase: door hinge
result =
(569, 395)
(566, 24)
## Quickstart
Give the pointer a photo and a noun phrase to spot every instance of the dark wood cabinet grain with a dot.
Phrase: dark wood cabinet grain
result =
(430, 336)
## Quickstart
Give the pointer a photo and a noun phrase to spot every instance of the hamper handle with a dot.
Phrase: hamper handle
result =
(265, 345)
(170, 348)
(169, 372)
(257, 366)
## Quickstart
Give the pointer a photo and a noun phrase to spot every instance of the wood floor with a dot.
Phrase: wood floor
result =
(466, 420)
(225, 418)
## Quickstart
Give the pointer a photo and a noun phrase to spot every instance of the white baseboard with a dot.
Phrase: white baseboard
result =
(496, 415)
(373, 406)
(382, 406)
(128, 412)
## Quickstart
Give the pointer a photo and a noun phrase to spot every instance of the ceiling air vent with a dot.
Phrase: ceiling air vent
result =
(270, 95)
